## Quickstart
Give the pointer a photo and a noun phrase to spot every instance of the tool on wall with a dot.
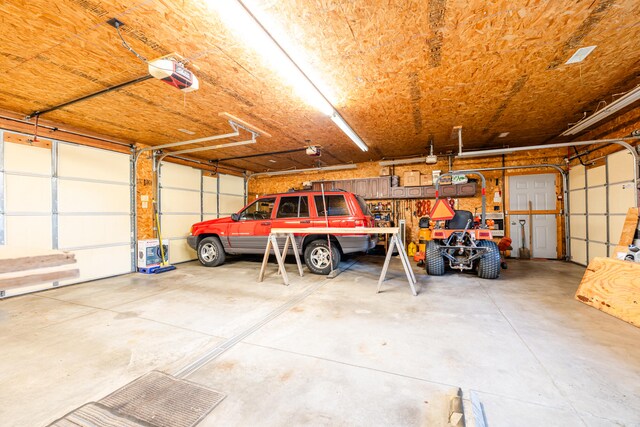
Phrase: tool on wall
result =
(523, 252)
(164, 263)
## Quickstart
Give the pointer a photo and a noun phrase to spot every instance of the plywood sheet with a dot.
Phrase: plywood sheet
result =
(92, 163)
(29, 231)
(629, 228)
(28, 194)
(230, 184)
(25, 158)
(82, 196)
(180, 176)
(612, 286)
(616, 224)
(77, 231)
(180, 201)
(620, 166)
(15, 259)
(230, 204)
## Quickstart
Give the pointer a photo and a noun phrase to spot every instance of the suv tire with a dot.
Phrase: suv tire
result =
(316, 257)
(210, 252)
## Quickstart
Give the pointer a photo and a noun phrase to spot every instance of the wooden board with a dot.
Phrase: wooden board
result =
(612, 286)
(336, 230)
(36, 277)
(20, 259)
(629, 228)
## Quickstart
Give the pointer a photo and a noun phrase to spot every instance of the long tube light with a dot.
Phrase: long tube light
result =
(617, 105)
(244, 21)
(294, 171)
(403, 161)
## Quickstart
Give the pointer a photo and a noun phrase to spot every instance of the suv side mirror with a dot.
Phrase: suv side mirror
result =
(235, 217)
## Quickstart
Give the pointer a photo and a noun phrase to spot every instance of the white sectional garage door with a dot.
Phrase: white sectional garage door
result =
(599, 198)
(232, 194)
(180, 207)
(68, 197)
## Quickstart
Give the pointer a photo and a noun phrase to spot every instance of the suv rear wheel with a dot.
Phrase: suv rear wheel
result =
(316, 256)
(211, 252)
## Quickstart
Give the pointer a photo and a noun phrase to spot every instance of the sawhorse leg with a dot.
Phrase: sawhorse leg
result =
(291, 240)
(273, 243)
(395, 242)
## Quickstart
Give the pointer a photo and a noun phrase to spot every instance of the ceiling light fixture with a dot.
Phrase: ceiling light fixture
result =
(272, 161)
(254, 27)
(580, 55)
(188, 132)
(292, 171)
(617, 105)
(503, 134)
(403, 161)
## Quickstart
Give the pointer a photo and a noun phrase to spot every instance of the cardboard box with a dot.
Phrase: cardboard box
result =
(411, 179)
(426, 180)
(385, 171)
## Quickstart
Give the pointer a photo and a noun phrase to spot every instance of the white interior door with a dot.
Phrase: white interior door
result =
(540, 189)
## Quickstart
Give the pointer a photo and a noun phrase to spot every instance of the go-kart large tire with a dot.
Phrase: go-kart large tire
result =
(489, 264)
(434, 259)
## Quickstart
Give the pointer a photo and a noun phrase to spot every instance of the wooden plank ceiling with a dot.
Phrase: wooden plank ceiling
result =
(401, 71)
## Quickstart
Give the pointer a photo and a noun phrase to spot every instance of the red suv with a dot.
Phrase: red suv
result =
(246, 232)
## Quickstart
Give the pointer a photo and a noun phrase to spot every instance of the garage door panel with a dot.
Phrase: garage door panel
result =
(207, 217)
(597, 200)
(179, 176)
(29, 231)
(27, 194)
(177, 225)
(179, 251)
(101, 262)
(578, 225)
(210, 184)
(597, 250)
(620, 166)
(180, 201)
(598, 228)
(81, 196)
(621, 198)
(577, 201)
(230, 204)
(616, 224)
(576, 177)
(25, 158)
(596, 176)
(78, 231)
(230, 184)
(92, 163)
(579, 251)
(210, 203)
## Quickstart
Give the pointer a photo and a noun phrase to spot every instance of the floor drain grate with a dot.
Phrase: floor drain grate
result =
(153, 400)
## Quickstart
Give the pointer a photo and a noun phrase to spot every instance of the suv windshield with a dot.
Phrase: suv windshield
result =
(260, 209)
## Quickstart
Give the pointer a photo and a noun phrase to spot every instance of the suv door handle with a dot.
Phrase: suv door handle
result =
(266, 223)
(306, 221)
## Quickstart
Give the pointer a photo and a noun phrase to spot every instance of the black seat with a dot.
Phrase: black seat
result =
(459, 220)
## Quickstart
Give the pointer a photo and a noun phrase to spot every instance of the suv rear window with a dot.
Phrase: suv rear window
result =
(363, 206)
(293, 207)
(336, 205)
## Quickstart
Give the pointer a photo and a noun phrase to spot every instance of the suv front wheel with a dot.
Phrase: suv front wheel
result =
(316, 257)
(211, 252)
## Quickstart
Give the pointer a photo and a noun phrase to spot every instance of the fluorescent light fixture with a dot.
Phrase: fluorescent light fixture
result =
(188, 132)
(580, 54)
(272, 161)
(249, 22)
(403, 161)
(503, 134)
(617, 105)
(294, 171)
(344, 127)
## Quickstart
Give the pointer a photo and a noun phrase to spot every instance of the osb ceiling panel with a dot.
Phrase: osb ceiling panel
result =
(401, 71)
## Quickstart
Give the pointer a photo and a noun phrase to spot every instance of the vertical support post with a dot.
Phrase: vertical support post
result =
(246, 189)
(132, 209)
(606, 190)
(158, 195)
(567, 230)
(2, 191)
(586, 214)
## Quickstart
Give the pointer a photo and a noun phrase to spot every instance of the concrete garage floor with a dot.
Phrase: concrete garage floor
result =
(342, 355)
